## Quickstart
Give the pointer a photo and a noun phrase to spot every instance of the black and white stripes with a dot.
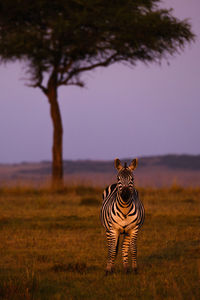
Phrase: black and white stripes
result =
(122, 212)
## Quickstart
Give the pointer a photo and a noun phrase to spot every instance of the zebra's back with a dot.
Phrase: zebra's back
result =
(109, 190)
(109, 196)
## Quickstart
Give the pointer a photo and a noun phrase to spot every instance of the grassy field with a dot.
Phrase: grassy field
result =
(53, 246)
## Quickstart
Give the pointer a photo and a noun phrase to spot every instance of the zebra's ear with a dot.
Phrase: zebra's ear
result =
(133, 164)
(118, 164)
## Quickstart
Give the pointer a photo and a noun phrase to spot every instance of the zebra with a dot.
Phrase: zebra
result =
(122, 212)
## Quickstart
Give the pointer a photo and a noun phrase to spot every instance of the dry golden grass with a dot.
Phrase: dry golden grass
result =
(53, 246)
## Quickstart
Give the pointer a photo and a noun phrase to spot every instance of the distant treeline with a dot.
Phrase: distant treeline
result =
(189, 162)
(183, 162)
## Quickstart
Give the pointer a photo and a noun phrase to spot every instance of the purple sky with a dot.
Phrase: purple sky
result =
(122, 112)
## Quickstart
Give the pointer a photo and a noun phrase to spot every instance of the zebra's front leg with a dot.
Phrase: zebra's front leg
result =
(125, 249)
(113, 240)
(133, 248)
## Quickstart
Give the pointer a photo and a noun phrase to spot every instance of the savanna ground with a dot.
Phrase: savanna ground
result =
(53, 246)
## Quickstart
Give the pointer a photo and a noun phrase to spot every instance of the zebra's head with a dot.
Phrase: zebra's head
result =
(125, 178)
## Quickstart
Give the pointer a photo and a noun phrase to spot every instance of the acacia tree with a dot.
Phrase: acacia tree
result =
(59, 40)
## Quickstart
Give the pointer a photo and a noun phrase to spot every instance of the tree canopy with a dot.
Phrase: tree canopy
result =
(59, 40)
(73, 36)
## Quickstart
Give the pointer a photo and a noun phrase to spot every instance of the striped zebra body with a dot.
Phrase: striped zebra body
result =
(122, 212)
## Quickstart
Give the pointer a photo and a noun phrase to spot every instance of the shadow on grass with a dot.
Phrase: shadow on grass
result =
(175, 250)
(90, 201)
(50, 223)
(27, 288)
(79, 267)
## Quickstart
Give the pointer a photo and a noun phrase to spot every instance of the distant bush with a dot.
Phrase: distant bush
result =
(72, 267)
(186, 162)
(82, 190)
(31, 190)
(75, 267)
(90, 201)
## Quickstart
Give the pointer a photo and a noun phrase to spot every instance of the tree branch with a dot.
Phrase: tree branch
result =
(38, 77)
(39, 85)
(76, 71)
(44, 90)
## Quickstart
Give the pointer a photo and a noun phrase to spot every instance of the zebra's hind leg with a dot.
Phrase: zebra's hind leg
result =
(125, 249)
(133, 248)
(113, 240)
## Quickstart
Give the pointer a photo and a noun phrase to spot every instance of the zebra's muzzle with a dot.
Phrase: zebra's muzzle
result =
(125, 193)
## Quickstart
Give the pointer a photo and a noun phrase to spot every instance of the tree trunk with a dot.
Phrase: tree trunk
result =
(57, 162)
